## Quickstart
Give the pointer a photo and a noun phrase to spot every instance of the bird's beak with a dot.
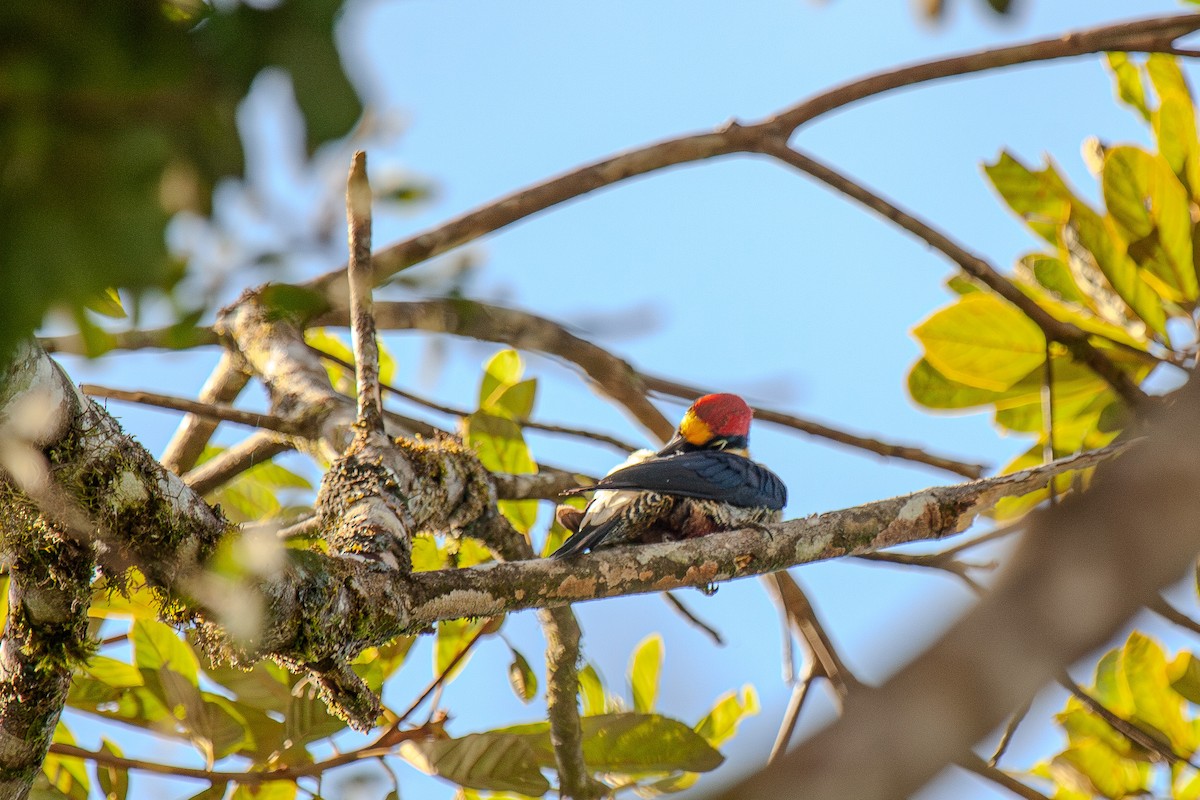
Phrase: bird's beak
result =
(676, 445)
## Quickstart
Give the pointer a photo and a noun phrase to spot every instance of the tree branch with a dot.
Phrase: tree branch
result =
(1156, 34)
(253, 450)
(1082, 569)
(1075, 339)
(611, 375)
(223, 386)
(886, 449)
(362, 319)
(195, 409)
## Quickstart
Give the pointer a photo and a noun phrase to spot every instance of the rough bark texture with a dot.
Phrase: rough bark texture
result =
(1081, 571)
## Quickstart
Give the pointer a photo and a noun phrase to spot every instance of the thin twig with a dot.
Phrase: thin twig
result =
(957, 568)
(610, 375)
(691, 617)
(887, 449)
(1170, 613)
(439, 679)
(257, 449)
(791, 714)
(616, 378)
(212, 411)
(1074, 338)
(373, 750)
(973, 763)
(1129, 730)
(1010, 730)
(362, 318)
(1147, 35)
(603, 438)
(226, 382)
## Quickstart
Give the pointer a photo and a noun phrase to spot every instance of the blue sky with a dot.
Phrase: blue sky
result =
(737, 274)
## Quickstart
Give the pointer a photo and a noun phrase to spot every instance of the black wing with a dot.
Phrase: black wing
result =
(706, 474)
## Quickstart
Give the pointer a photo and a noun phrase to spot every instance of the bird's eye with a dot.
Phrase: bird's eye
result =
(720, 444)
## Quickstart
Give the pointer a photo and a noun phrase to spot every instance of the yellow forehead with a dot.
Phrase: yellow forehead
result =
(694, 429)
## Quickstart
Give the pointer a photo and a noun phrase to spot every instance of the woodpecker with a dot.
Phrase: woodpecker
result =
(700, 482)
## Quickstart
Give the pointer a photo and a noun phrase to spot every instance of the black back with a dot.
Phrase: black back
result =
(706, 474)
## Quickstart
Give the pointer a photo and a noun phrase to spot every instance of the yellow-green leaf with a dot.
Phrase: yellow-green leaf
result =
(1097, 770)
(721, 723)
(982, 341)
(157, 645)
(644, 667)
(489, 761)
(591, 691)
(1041, 199)
(522, 678)
(1151, 210)
(1130, 88)
(501, 371)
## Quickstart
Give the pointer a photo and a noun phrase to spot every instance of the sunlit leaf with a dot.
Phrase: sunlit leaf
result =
(107, 303)
(1184, 674)
(66, 774)
(982, 341)
(633, 743)
(500, 372)
(1130, 87)
(499, 443)
(453, 637)
(1041, 199)
(1097, 770)
(1151, 210)
(1175, 120)
(721, 723)
(644, 667)
(157, 645)
(522, 678)
(1093, 241)
(489, 761)
(1157, 708)
(591, 691)
(114, 781)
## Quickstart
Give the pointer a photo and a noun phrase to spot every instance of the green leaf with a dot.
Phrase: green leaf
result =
(215, 791)
(1091, 242)
(721, 723)
(288, 301)
(114, 673)
(114, 782)
(982, 341)
(644, 667)
(591, 691)
(453, 637)
(516, 401)
(1151, 210)
(633, 743)
(1184, 674)
(1130, 88)
(66, 774)
(107, 303)
(1041, 199)
(499, 443)
(522, 678)
(500, 372)
(522, 514)
(489, 761)
(1054, 275)
(268, 790)
(156, 645)
(1175, 120)
(1097, 770)
(1157, 708)
(426, 555)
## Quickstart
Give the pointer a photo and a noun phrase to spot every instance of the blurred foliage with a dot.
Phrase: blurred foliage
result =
(114, 116)
(1126, 274)
(1139, 684)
